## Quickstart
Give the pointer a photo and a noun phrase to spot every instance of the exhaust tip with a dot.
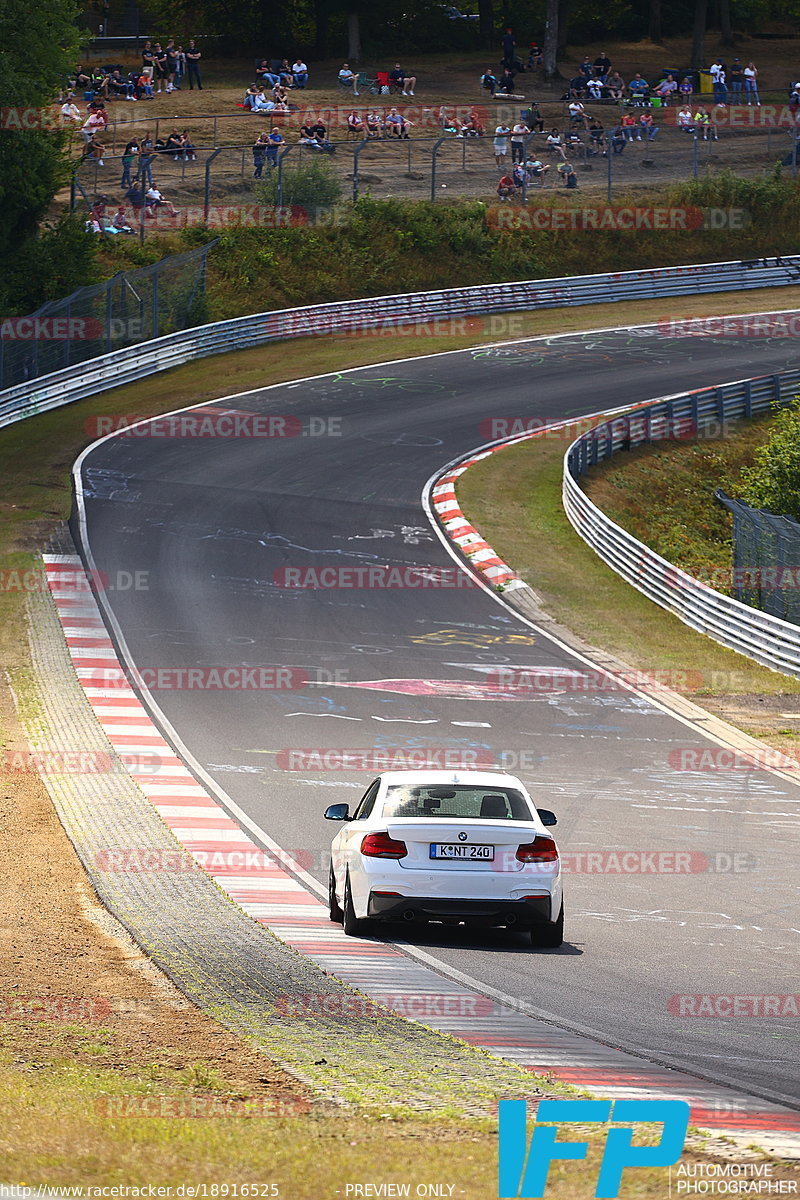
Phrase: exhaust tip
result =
(409, 915)
(511, 919)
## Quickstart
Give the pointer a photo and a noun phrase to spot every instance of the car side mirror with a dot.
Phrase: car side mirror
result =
(545, 816)
(337, 812)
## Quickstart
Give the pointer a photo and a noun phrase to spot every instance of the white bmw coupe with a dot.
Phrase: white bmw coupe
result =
(466, 847)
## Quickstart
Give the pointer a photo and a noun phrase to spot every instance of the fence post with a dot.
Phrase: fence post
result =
(609, 155)
(695, 152)
(109, 313)
(356, 152)
(434, 152)
(156, 314)
(525, 144)
(207, 190)
(281, 157)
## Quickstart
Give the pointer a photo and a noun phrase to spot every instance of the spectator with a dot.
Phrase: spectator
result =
(374, 124)
(506, 187)
(536, 169)
(285, 72)
(586, 69)
(518, 135)
(180, 67)
(702, 119)
(506, 84)
(135, 197)
(299, 74)
(554, 141)
(145, 85)
(189, 149)
(280, 97)
(259, 155)
(155, 200)
(349, 78)
(406, 83)
(148, 56)
(577, 114)
(489, 81)
(736, 80)
(147, 157)
(129, 156)
(618, 140)
(174, 145)
(535, 56)
(684, 119)
(751, 84)
(82, 78)
(70, 113)
(647, 126)
(119, 86)
(264, 74)
(630, 127)
(533, 118)
(275, 140)
(262, 102)
(595, 87)
(602, 65)
(161, 67)
(396, 124)
(120, 222)
(93, 124)
(577, 88)
(638, 88)
(597, 136)
(193, 56)
(355, 123)
(250, 95)
(171, 51)
(500, 143)
(94, 149)
(574, 144)
(717, 72)
(615, 85)
(472, 127)
(666, 89)
(567, 173)
(509, 49)
(686, 88)
(316, 136)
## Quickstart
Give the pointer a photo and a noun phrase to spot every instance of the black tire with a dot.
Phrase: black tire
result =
(353, 927)
(549, 937)
(334, 911)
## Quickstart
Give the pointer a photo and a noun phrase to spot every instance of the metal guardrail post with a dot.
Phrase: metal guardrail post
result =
(526, 142)
(695, 152)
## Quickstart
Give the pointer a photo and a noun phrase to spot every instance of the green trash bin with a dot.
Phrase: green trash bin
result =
(655, 102)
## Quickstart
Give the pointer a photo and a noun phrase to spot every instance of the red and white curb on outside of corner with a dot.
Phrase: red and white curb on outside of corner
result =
(259, 883)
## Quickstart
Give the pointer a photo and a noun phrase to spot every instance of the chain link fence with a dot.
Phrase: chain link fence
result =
(766, 559)
(132, 307)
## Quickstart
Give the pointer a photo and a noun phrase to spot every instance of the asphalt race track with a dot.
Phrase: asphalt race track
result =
(215, 521)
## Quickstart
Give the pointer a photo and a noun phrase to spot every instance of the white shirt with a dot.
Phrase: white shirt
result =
(750, 72)
(299, 67)
(519, 133)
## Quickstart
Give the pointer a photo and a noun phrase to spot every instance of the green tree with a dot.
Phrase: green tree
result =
(37, 50)
(773, 481)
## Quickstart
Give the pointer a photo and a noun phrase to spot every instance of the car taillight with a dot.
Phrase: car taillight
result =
(542, 849)
(380, 845)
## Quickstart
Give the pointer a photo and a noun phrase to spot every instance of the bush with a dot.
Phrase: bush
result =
(311, 185)
(773, 482)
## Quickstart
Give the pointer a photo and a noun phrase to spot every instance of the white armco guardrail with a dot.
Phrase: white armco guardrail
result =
(136, 362)
(765, 638)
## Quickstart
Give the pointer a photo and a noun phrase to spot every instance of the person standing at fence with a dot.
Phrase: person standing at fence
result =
(146, 159)
(259, 155)
(736, 80)
(501, 135)
(275, 140)
(751, 84)
(518, 136)
(129, 156)
(193, 56)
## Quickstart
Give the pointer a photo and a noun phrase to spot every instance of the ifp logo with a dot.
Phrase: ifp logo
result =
(523, 1169)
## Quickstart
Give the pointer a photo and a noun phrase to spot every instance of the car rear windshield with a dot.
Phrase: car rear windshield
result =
(460, 800)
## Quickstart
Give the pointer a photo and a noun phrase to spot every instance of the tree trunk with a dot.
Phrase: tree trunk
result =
(699, 33)
(322, 23)
(486, 22)
(726, 33)
(551, 41)
(563, 26)
(353, 38)
(655, 22)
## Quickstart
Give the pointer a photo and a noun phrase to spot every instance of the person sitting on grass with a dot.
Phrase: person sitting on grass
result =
(647, 126)
(618, 140)
(596, 88)
(631, 127)
(684, 119)
(174, 145)
(355, 123)
(533, 118)
(506, 84)
(472, 126)
(489, 81)
(120, 222)
(577, 114)
(250, 95)
(280, 95)
(374, 124)
(536, 170)
(702, 119)
(155, 200)
(506, 187)
(265, 74)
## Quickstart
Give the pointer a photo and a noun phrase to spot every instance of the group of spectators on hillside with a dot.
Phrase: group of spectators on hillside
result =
(164, 69)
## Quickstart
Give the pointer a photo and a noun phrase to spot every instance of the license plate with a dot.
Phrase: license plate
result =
(471, 853)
